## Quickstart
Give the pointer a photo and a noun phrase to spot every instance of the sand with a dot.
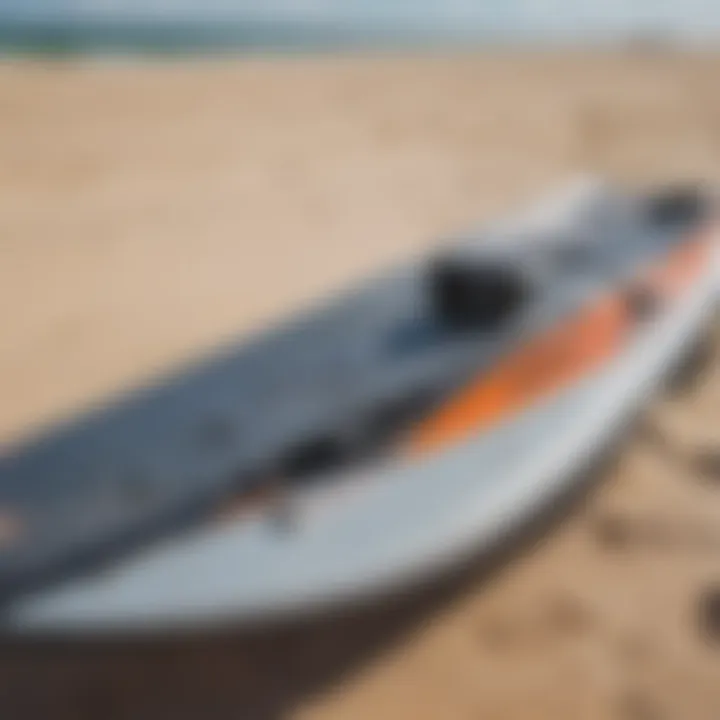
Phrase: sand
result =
(150, 213)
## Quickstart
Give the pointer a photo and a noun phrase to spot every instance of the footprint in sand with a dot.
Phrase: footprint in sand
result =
(636, 705)
(562, 618)
(617, 532)
(706, 463)
(709, 616)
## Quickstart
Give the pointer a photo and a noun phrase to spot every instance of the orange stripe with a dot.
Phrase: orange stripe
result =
(555, 358)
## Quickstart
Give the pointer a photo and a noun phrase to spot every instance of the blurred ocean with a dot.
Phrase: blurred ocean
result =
(167, 26)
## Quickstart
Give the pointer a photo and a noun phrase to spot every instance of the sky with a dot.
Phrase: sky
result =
(683, 17)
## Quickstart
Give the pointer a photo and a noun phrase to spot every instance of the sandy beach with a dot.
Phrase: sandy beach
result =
(150, 213)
